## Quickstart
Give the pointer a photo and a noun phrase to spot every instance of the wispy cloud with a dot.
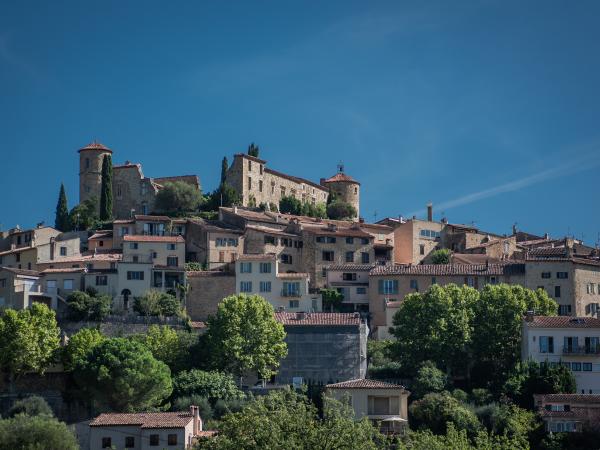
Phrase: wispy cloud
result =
(574, 166)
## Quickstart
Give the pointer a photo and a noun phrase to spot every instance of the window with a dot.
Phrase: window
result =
(220, 242)
(249, 183)
(546, 344)
(320, 239)
(101, 280)
(154, 255)
(365, 241)
(171, 439)
(232, 242)
(133, 245)
(68, 284)
(470, 281)
(246, 286)
(349, 276)
(414, 284)
(18, 257)
(562, 275)
(328, 255)
(349, 257)
(221, 256)
(587, 367)
(294, 304)
(361, 290)
(100, 243)
(29, 265)
(592, 344)
(270, 240)
(421, 249)
(246, 267)
(106, 441)
(265, 267)
(154, 439)
(144, 208)
(571, 344)
(172, 261)
(564, 310)
(135, 275)
(260, 186)
(430, 234)
(364, 257)
(330, 240)
(388, 287)
(546, 275)
(265, 286)
(286, 259)
(50, 284)
(171, 246)
(129, 442)
(135, 258)
(124, 231)
(291, 289)
(433, 280)
(349, 240)
(557, 291)
(576, 367)
(63, 251)
(249, 166)
(143, 189)
(3, 283)
(282, 191)
(324, 272)
(119, 191)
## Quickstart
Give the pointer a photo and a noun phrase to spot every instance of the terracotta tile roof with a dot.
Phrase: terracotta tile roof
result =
(351, 267)
(207, 433)
(450, 269)
(189, 179)
(144, 238)
(118, 221)
(574, 413)
(216, 225)
(380, 228)
(269, 230)
(106, 255)
(395, 304)
(563, 322)
(324, 319)
(569, 398)
(17, 250)
(95, 145)
(258, 216)
(251, 158)
(467, 258)
(363, 383)
(101, 235)
(209, 273)
(152, 218)
(547, 251)
(64, 270)
(343, 232)
(257, 257)
(144, 420)
(291, 276)
(341, 177)
(28, 273)
(128, 166)
(574, 260)
(198, 324)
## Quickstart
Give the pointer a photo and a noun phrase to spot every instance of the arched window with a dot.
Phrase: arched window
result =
(125, 293)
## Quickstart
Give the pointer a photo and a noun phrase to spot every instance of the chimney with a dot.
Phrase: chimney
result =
(197, 421)
(235, 210)
(430, 212)
(546, 236)
(529, 316)
(300, 315)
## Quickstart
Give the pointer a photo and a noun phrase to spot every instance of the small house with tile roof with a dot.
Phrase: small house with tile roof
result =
(384, 404)
(568, 412)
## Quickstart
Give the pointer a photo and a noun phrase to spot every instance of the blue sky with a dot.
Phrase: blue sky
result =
(489, 109)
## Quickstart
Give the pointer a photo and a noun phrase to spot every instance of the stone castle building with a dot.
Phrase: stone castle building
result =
(133, 193)
(256, 184)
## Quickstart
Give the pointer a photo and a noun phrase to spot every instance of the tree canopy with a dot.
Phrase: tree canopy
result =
(244, 336)
(178, 198)
(79, 345)
(212, 385)
(441, 256)
(106, 193)
(33, 405)
(122, 374)
(61, 222)
(88, 306)
(169, 346)
(224, 167)
(85, 215)
(339, 210)
(157, 303)
(253, 150)
(40, 432)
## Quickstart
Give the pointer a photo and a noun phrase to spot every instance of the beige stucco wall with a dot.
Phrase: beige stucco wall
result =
(141, 436)
(408, 241)
(146, 249)
(360, 400)
(137, 287)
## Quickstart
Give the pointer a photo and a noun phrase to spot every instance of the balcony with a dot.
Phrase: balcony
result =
(582, 351)
(292, 294)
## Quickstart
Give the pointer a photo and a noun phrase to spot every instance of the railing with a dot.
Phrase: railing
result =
(285, 293)
(581, 350)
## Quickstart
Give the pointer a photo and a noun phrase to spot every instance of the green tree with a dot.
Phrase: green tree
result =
(516, 423)
(290, 205)
(212, 385)
(244, 336)
(169, 346)
(339, 210)
(441, 256)
(224, 168)
(79, 345)
(122, 374)
(428, 379)
(332, 299)
(29, 339)
(33, 405)
(106, 193)
(253, 150)
(35, 433)
(225, 195)
(435, 410)
(85, 215)
(83, 306)
(497, 323)
(61, 222)
(178, 198)
(157, 303)
(286, 419)
(435, 325)
(530, 377)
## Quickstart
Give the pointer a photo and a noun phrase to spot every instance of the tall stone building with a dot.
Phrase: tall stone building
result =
(133, 193)
(256, 184)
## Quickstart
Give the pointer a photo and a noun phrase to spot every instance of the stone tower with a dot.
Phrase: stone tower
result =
(346, 188)
(90, 170)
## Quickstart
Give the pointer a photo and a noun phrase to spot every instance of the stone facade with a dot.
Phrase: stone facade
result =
(345, 189)
(207, 289)
(213, 243)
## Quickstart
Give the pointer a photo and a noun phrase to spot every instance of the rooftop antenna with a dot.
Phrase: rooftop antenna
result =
(340, 166)
(374, 217)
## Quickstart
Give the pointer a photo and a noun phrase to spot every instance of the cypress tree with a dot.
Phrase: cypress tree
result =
(253, 150)
(106, 195)
(61, 223)
(224, 167)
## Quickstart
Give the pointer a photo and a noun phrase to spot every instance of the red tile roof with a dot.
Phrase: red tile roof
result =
(64, 270)
(349, 267)
(144, 238)
(569, 398)
(326, 319)
(563, 322)
(27, 273)
(152, 218)
(144, 420)
(450, 269)
(209, 273)
(95, 145)
(101, 235)
(341, 177)
(339, 231)
(294, 275)
(258, 257)
(362, 383)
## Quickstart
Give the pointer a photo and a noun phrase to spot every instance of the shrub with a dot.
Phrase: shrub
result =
(481, 396)
(429, 379)
(177, 198)
(83, 306)
(460, 395)
(31, 406)
(35, 433)
(212, 385)
(339, 210)
(157, 303)
(184, 403)
(435, 410)
(441, 256)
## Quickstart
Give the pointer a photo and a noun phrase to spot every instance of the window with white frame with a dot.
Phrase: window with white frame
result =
(265, 267)
(265, 286)
(68, 284)
(388, 287)
(246, 286)
(291, 289)
(245, 267)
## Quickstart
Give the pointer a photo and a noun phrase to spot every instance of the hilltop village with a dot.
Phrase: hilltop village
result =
(273, 286)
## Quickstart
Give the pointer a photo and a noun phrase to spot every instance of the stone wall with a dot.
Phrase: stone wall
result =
(207, 289)
(90, 176)
(131, 190)
(347, 192)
